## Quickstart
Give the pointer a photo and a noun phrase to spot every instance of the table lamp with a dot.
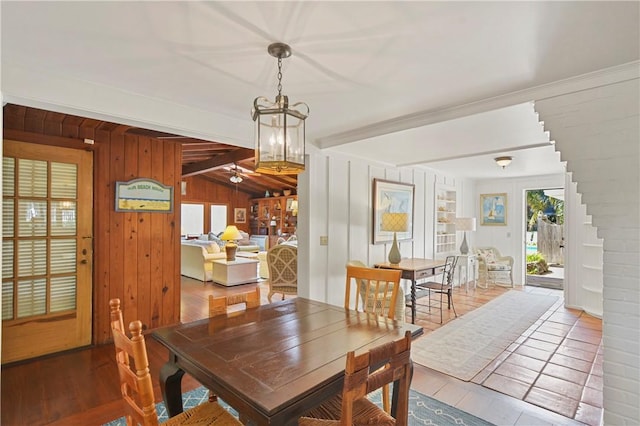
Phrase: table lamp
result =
(465, 224)
(394, 222)
(231, 235)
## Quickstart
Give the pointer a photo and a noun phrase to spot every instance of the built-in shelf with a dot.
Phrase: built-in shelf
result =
(445, 215)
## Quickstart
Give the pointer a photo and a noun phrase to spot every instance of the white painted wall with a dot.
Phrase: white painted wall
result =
(597, 132)
(509, 239)
(337, 193)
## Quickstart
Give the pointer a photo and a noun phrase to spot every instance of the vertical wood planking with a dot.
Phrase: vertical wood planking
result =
(116, 282)
(130, 231)
(102, 227)
(156, 235)
(144, 236)
(170, 254)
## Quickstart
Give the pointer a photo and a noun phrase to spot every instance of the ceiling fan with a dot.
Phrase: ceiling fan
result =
(235, 177)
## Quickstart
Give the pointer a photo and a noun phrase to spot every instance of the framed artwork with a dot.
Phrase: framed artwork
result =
(240, 215)
(395, 198)
(493, 209)
(144, 195)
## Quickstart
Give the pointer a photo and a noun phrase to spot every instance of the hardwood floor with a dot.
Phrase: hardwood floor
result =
(81, 387)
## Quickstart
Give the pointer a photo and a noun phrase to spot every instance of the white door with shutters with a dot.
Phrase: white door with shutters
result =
(46, 249)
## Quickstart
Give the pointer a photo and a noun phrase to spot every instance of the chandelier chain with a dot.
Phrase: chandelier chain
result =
(279, 76)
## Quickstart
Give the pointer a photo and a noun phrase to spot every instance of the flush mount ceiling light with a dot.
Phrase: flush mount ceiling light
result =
(280, 129)
(503, 161)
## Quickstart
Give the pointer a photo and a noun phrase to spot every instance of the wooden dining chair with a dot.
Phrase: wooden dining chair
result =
(220, 305)
(353, 407)
(376, 290)
(136, 385)
(444, 287)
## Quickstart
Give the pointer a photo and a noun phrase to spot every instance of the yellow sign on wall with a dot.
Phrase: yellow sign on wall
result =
(144, 195)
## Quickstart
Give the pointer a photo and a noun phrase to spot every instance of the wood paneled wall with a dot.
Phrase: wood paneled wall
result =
(200, 190)
(136, 255)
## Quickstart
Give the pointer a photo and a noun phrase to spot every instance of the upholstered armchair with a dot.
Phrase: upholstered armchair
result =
(282, 261)
(494, 267)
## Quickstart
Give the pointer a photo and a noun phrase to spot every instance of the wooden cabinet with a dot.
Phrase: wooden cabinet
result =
(445, 216)
(274, 216)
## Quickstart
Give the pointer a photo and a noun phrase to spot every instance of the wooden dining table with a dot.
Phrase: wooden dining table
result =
(415, 269)
(272, 363)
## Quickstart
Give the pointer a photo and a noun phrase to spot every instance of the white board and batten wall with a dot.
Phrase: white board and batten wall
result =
(341, 209)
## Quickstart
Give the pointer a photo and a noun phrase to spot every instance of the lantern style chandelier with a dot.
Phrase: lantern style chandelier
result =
(280, 131)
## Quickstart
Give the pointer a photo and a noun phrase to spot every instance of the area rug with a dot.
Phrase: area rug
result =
(423, 410)
(464, 346)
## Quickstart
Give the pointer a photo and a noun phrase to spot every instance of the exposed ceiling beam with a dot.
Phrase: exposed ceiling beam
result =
(217, 162)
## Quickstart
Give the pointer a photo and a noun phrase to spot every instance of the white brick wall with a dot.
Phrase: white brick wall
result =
(597, 132)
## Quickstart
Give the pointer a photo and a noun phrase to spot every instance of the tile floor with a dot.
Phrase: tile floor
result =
(552, 374)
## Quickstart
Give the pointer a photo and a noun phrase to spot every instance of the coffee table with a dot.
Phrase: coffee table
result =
(235, 272)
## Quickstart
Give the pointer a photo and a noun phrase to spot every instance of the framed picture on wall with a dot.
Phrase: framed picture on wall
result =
(392, 211)
(240, 215)
(493, 209)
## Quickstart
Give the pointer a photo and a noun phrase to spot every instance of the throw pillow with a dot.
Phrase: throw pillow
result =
(212, 248)
(488, 255)
(245, 239)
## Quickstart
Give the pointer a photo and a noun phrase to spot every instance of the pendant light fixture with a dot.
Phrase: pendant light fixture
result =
(280, 127)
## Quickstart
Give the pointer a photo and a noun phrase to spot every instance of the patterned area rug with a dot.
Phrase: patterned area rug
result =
(423, 410)
(464, 346)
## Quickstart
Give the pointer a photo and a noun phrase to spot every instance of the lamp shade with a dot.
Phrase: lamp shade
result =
(465, 223)
(395, 222)
(231, 234)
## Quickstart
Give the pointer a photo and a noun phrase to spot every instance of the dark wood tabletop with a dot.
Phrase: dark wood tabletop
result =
(272, 363)
(415, 269)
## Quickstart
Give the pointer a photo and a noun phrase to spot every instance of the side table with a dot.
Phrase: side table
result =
(469, 262)
(236, 272)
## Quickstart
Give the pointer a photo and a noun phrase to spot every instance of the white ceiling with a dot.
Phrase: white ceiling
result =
(441, 84)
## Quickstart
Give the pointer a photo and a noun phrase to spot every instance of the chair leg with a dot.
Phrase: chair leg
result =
(386, 404)
(450, 295)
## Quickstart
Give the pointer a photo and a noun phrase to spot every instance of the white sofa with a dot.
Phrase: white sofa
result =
(196, 258)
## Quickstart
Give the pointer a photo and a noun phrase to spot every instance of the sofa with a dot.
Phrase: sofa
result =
(196, 258)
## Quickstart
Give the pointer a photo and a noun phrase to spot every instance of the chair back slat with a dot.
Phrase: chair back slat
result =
(362, 377)
(376, 290)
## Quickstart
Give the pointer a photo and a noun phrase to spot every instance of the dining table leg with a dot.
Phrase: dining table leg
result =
(171, 387)
(413, 301)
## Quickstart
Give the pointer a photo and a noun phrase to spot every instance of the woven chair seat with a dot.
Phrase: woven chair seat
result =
(365, 412)
(205, 414)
